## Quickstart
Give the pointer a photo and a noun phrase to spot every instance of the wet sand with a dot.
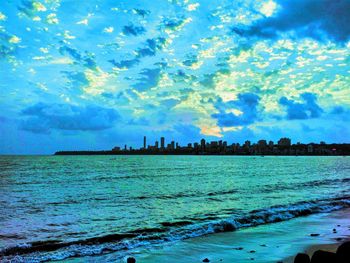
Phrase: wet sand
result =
(278, 242)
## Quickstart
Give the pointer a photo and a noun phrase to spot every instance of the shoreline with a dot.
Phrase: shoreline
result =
(276, 242)
(273, 242)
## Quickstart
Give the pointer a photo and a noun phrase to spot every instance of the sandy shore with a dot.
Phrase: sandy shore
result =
(277, 242)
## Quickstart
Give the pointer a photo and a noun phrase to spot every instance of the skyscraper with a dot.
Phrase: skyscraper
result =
(162, 141)
(144, 142)
(202, 144)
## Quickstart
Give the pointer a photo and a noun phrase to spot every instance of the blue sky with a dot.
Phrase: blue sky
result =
(95, 74)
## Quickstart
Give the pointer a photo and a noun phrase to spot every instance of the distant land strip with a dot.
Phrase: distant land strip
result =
(234, 149)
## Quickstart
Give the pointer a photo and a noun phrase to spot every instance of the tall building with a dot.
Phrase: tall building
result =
(284, 142)
(162, 142)
(203, 144)
(144, 142)
(156, 144)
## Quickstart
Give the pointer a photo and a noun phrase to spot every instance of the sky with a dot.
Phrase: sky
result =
(89, 75)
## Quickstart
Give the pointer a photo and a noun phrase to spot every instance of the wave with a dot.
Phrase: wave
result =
(42, 251)
(185, 194)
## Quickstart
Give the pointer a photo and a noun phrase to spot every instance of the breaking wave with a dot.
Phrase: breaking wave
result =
(42, 251)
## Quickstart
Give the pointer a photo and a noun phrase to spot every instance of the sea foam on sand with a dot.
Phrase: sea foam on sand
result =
(277, 242)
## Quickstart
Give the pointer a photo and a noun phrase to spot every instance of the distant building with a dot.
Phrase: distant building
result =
(144, 142)
(213, 144)
(162, 142)
(271, 143)
(172, 145)
(310, 148)
(247, 143)
(116, 149)
(262, 143)
(284, 142)
(203, 144)
(156, 145)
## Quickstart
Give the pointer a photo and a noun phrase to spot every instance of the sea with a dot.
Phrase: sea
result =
(63, 207)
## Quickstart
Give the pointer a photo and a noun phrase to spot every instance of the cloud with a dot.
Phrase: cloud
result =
(170, 103)
(149, 79)
(42, 118)
(175, 24)
(142, 121)
(76, 79)
(87, 60)
(125, 63)
(133, 30)
(338, 110)
(318, 19)
(151, 47)
(305, 110)
(242, 111)
(190, 60)
(141, 12)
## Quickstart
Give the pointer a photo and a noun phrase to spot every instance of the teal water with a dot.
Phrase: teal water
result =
(55, 207)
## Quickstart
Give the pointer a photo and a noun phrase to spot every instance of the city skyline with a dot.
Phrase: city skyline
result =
(283, 146)
(98, 73)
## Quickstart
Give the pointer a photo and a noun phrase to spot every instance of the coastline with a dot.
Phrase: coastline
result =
(276, 242)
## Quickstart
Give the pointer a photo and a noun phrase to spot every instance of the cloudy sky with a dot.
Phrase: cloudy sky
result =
(95, 74)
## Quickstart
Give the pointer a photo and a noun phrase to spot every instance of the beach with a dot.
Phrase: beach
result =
(277, 242)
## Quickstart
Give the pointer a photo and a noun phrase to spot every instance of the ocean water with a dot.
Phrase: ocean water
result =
(58, 207)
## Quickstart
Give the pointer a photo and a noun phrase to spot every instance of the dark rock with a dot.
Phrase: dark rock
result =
(131, 260)
(339, 239)
(263, 245)
(252, 251)
(314, 235)
(321, 256)
(343, 252)
(238, 248)
(302, 258)
(206, 260)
